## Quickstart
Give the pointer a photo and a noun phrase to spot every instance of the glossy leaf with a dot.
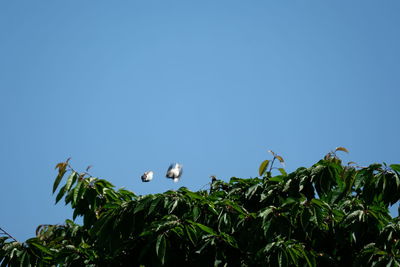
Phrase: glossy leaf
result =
(161, 247)
(70, 180)
(58, 179)
(60, 194)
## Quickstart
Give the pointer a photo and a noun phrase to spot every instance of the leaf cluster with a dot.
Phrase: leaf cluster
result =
(326, 215)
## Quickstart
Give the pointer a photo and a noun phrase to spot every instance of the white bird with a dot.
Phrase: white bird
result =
(147, 176)
(174, 171)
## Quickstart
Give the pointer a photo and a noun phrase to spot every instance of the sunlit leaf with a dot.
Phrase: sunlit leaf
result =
(252, 190)
(341, 149)
(395, 167)
(282, 171)
(280, 159)
(61, 165)
(276, 179)
(76, 191)
(263, 167)
(71, 180)
(173, 206)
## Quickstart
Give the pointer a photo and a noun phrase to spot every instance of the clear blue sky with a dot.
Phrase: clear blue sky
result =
(129, 86)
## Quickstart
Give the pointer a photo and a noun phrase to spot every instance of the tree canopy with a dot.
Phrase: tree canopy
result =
(330, 214)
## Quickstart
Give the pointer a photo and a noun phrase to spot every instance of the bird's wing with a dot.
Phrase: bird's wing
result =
(180, 171)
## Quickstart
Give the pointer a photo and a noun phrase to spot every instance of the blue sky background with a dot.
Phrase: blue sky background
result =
(128, 86)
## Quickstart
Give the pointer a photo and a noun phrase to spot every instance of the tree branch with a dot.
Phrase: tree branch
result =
(7, 234)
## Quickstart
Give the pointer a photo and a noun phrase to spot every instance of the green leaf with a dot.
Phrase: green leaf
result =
(266, 212)
(75, 214)
(310, 261)
(173, 206)
(58, 179)
(196, 213)
(292, 253)
(282, 171)
(103, 183)
(263, 167)
(153, 205)
(203, 227)
(82, 190)
(280, 255)
(76, 191)
(161, 245)
(60, 194)
(190, 232)
(41, 248)
(71, 179)
(217, 262)
(395, 167)
(141, 205)
(276, 179)
(320, 203)
(25, 260)
(253, 189)
(191, 194)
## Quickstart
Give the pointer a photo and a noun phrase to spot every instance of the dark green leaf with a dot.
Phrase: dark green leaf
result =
(161, 245)
(70, 181)
(196, 213)
(76, 191)
(60, 194)
(25, 260)
(58, 179)
(153, 205)
(203, 227)
(41, 248)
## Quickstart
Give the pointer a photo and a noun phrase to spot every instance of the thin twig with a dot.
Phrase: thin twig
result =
(7, 234)
(272, 164)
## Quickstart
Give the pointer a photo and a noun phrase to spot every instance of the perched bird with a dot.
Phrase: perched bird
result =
(147, 176)
(174, 171)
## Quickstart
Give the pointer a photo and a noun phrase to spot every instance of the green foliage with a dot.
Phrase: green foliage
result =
(326, 215)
